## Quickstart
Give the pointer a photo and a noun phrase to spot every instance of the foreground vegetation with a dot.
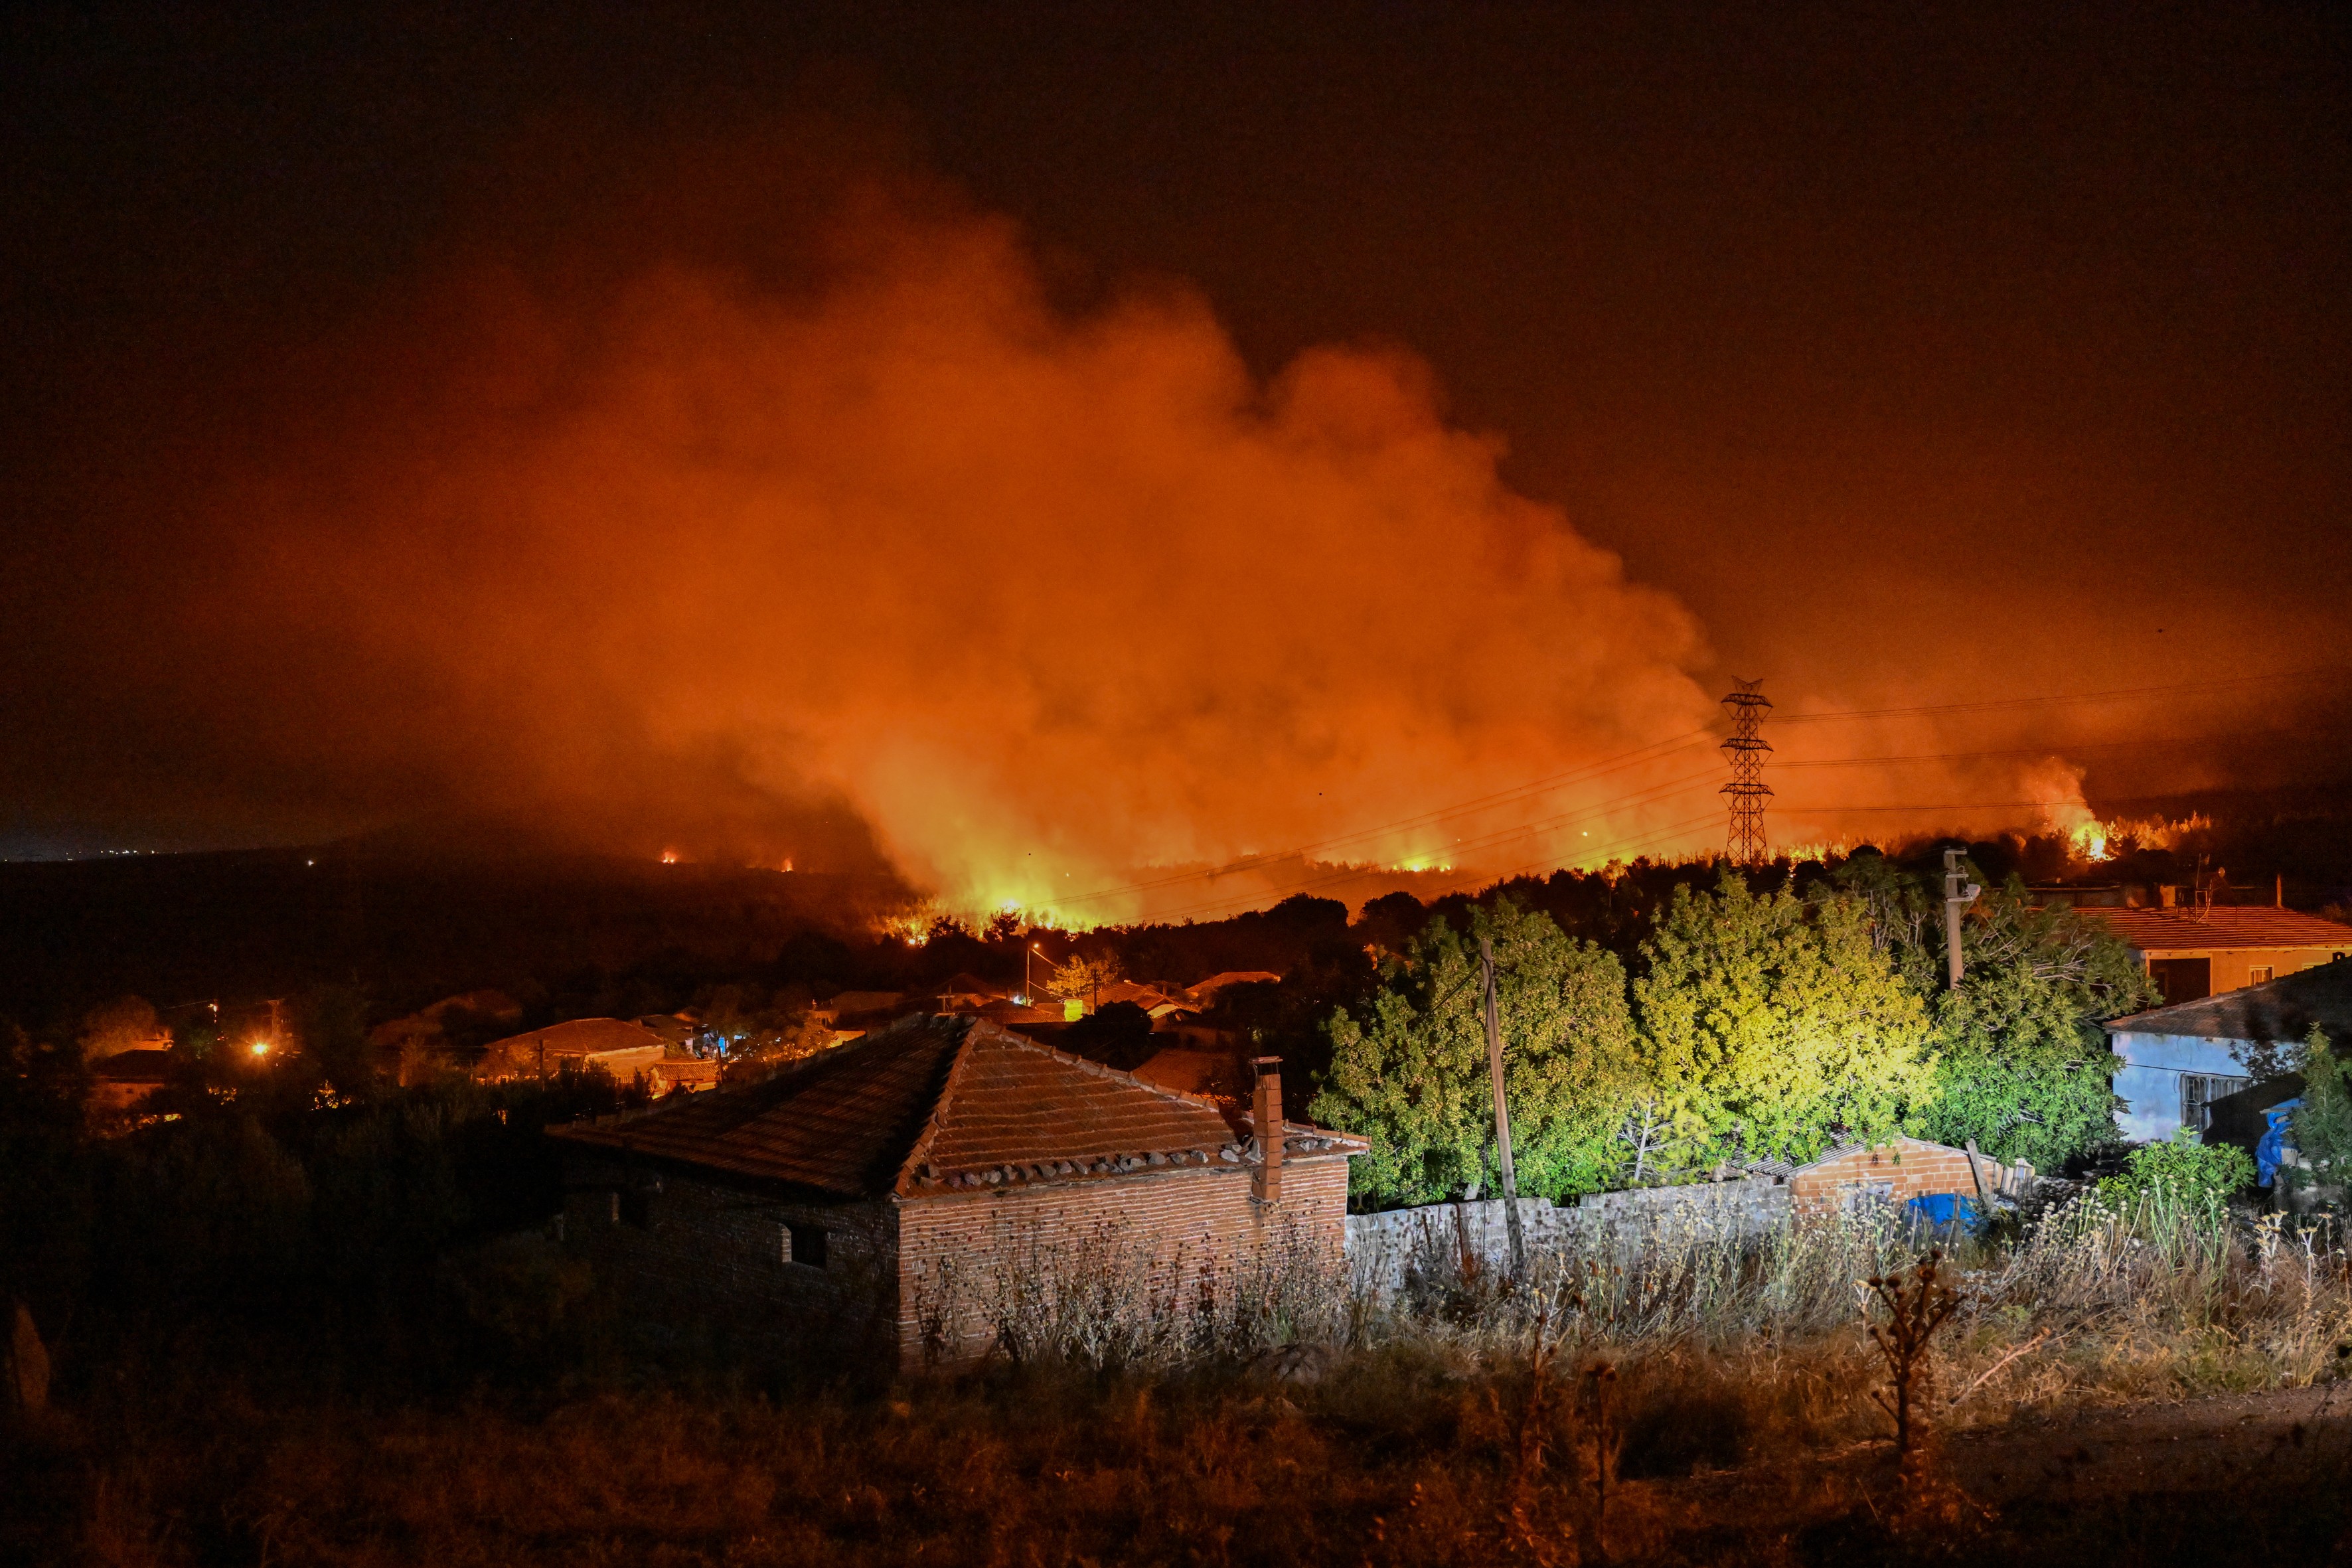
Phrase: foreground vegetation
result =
(1681, 1394)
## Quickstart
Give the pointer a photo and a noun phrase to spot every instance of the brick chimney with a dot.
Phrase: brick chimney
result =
(1265, 1120)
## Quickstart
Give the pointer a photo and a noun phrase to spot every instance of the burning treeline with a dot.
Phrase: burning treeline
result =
(905, 560)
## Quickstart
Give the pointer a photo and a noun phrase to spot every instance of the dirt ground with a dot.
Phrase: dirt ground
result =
(2235, 1478)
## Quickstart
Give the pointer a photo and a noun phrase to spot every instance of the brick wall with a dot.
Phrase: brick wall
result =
(970, 1261)
(1899, 1171)
(701, 1263)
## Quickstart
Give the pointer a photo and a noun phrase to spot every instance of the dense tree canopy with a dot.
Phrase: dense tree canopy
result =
(1770, 1024)
(1409, 1066)
(2021, 1066)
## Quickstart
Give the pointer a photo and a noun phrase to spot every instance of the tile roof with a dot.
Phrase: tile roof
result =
(1217, 1074)
(2223, 926)
(579, 1037)
(1203, 990)
(138, 1066)
(2279, 1010)
(940, 1102)
(967, 984)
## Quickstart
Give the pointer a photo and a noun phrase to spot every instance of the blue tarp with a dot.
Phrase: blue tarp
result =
(2278, 1136)
(1943, 1209)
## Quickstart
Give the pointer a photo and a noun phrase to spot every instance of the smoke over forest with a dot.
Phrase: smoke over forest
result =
(821, 521)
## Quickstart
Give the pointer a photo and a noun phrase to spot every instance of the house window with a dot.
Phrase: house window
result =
(2199, 1091)
(804, 1245)
(2256, 973)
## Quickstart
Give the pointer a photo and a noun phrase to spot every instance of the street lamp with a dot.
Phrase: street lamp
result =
(1026, 997)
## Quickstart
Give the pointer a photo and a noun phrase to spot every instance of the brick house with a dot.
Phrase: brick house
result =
(1895, 1171)
(874, 1200)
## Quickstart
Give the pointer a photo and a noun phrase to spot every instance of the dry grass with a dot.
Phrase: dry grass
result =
(1290, 1419)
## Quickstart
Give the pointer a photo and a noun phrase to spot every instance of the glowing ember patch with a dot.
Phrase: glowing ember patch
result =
(670, 858)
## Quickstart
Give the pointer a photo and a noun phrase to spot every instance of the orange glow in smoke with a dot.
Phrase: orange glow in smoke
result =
(1071, 615)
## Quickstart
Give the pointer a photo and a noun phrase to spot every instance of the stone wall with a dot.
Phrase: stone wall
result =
(1748, 1205)
(1442, 1241)
(1387, 1250)
(1155, 1240)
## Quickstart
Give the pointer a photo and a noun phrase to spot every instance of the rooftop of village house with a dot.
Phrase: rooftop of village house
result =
(939, 1103)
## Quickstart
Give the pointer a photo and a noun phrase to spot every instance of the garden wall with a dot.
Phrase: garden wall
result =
(1385, 1250)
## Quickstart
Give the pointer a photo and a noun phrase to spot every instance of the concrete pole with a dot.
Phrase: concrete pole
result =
(1956, 899)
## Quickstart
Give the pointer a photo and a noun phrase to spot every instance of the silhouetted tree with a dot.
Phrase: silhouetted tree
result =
(1118, 1034)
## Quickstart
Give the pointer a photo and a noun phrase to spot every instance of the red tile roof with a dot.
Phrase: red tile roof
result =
(1204, 991)
(579, 1037)
(939, 1103)
(2223, 926)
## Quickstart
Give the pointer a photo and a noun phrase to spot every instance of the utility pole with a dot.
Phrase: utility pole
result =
(1956, 899)
(1502, 1112)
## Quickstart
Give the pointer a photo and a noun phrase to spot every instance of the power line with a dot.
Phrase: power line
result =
(1658, 751)
(1972, 806)
(1655, 751)
(2234, 683)
(1488, 841)
(2047, 751)
(1615, 848)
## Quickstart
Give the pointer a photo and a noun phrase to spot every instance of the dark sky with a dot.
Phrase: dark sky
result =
(1930, 355)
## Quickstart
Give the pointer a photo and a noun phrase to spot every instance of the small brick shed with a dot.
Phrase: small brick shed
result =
(821, 1212)
(1898, 1170)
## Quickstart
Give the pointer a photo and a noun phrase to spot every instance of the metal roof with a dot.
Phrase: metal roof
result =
(2278, 1011)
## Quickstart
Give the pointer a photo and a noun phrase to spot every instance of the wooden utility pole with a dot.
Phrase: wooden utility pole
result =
(1502, 1111)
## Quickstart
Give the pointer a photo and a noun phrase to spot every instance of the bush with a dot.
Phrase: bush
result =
(2183, 1169)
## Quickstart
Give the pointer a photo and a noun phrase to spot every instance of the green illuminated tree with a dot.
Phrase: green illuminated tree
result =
(2021, 1066)
(2024, 1067)
(2323, 1122)
(1082, 978)
(1409, 1066)
(1770, 1023)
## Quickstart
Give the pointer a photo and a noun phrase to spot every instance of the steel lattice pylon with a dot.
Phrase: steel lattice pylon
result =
(1747, 752)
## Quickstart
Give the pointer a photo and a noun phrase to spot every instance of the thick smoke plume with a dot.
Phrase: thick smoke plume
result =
(1041, 597)
(829, 526)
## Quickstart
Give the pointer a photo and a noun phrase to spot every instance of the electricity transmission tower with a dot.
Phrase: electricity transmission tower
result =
(1746, 751)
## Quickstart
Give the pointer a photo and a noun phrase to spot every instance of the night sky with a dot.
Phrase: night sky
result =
(1947, 357)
